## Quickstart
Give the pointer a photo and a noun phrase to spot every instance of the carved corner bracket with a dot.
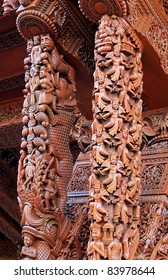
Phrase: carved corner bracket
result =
(34, 20)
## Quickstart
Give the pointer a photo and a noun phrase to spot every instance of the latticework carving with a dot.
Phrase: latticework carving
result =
(149, 18)
(116, 128)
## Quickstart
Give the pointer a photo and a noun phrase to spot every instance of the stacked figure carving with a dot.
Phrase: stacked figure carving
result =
(116, 137)
(49, 90)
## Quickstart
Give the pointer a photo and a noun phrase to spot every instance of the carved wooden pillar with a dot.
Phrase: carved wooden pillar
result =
(45, 164)
(116, 135)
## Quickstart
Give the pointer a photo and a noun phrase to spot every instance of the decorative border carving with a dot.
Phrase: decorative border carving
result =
(10, 39)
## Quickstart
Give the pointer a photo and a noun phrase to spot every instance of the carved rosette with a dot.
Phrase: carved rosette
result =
(46, 163)
(116, 135)
(31, 22)
(95, 9)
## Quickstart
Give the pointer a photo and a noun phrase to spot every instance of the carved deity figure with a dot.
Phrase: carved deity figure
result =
(115, 248)
(112, 182)
(104, 41)
(36, 51)
(121, 209)
(115, 122)
(115, 61)
(47, 92)
(96, 248)
(123, 152)
(96, 202)
(49, 190)
(29, 165)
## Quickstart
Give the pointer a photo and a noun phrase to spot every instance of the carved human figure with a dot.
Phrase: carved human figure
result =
(115, 122)
(115, 249)
(49, 188)
(28, 252)
(133, 184)
(29, 46)
(114, 177)
(115, 62)
(117, 30)
(123, 152)
(135, 131)
(100, 93)
(47, 92)
(136, 72)
(36, 51)
(124, 97)
(96, 248)
(98, 195)
(29, 165)
(103, 42)
(121, 210)
(99, 151)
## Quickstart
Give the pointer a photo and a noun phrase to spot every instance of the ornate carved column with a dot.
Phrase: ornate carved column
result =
(45, 163)
(116, 134)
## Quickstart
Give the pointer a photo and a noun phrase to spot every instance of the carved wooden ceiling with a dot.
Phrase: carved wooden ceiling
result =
(75, 42)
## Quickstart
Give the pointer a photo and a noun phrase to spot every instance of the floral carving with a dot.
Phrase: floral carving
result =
(153, 231)
(151, 174)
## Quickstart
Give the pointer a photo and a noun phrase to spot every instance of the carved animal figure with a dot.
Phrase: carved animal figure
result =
(56, 60)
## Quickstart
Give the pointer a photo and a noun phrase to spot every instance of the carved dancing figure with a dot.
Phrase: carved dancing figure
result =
(96, 206)
(115, 62)
(121, 210)
(122, 151)
(114, 177)
(115, 123)
(124, 98)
